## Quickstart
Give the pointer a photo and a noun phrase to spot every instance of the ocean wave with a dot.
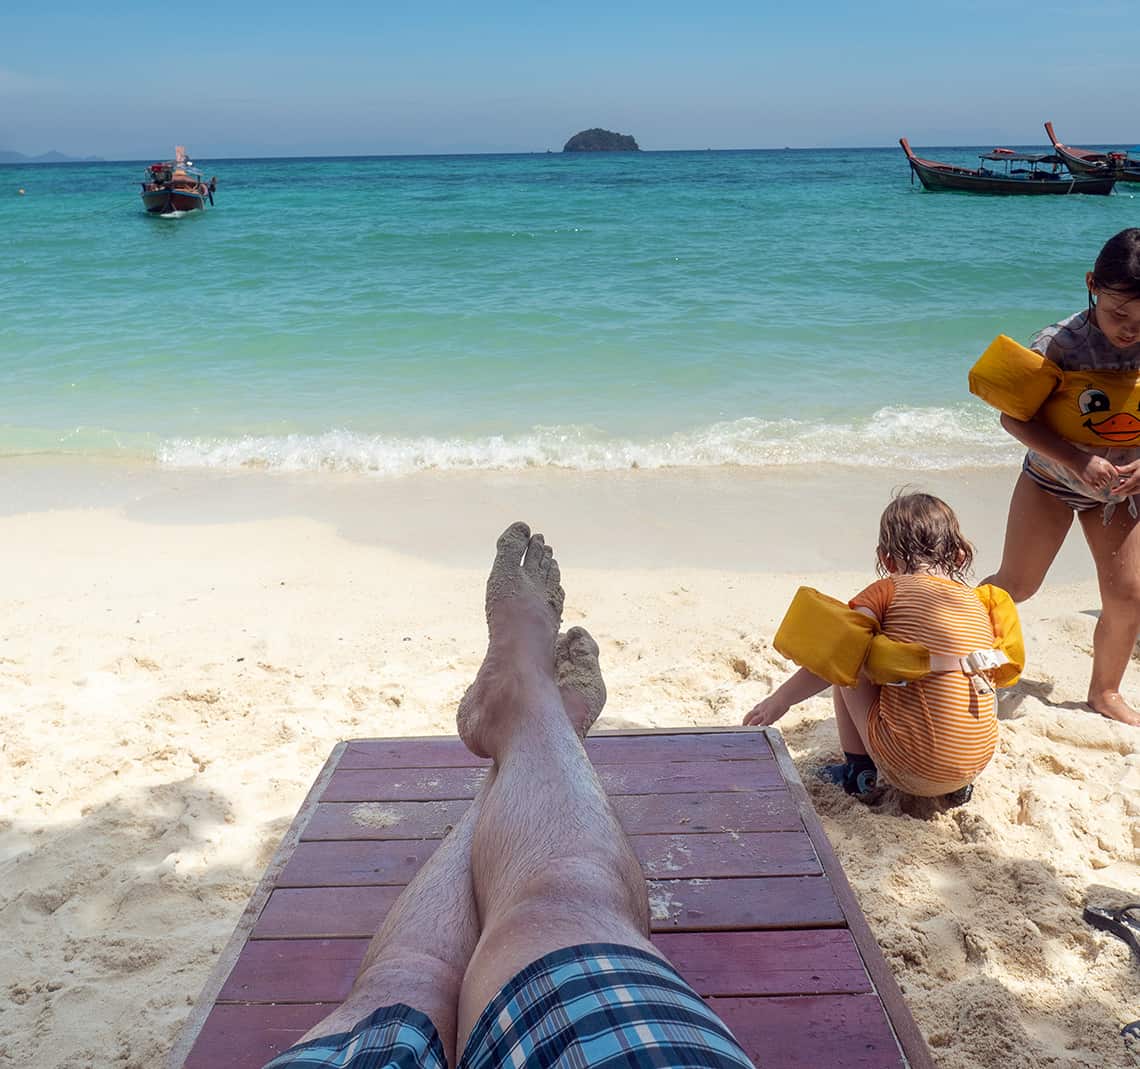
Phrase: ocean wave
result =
(920, 439)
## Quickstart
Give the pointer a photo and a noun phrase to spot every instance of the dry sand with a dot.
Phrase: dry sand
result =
(179, 652)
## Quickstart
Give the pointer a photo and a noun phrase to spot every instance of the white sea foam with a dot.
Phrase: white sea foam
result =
(921, 439)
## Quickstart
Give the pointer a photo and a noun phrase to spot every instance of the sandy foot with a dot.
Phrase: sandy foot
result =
(524, 608)
(579, 677)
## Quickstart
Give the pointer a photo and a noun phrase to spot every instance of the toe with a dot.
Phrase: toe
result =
(580, 644)
(512, 542)
(535, 552)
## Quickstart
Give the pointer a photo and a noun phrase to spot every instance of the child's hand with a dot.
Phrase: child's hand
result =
(1098, 473)
(1129, 476)
(766, 713)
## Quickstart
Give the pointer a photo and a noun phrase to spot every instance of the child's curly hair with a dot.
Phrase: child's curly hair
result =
(920, 533)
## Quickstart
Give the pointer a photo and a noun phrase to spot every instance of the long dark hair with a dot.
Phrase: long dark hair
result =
(920, 531)
(1117, 266)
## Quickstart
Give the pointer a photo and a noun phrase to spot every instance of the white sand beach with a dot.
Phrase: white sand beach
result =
(179, 651)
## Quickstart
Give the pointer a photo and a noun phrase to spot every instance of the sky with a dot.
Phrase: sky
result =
(124, 79)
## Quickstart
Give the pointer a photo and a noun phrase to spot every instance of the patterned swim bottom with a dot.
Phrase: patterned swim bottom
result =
(595, 1006)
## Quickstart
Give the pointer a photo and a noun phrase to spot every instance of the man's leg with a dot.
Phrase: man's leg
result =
(550, 864)
(419, 955)
(422, 949)
(553, 871)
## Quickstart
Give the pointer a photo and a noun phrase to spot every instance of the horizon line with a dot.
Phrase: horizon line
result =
(520, 152)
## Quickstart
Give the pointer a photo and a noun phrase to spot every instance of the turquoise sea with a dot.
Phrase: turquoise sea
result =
(390, 314)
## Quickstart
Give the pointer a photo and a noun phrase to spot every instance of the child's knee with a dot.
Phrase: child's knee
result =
(1122, 599)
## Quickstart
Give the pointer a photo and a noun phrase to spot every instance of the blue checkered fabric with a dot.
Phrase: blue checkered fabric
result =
(595, 1006)
(600, 1006)
(392, 1037)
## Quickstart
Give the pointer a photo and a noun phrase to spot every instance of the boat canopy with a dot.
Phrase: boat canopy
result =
(1003, 154)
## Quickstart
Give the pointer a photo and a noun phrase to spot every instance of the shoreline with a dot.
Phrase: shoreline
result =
(739, 517)
(179, 651)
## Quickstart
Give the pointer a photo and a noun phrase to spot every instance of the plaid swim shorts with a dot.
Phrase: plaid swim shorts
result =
(595, 1006)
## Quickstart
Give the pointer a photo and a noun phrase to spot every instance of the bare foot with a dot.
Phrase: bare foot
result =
(579, 678)
(524, 608)
(1111, 704)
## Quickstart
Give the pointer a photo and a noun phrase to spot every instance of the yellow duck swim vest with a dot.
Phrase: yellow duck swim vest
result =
(836, 643)
(1099, 408)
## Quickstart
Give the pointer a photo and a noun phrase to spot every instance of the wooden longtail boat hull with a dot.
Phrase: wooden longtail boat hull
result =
(944, 176)
(164, 201)
(940, 180)
(1084, 161)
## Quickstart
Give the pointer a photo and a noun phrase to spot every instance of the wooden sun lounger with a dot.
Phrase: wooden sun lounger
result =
(747, 896)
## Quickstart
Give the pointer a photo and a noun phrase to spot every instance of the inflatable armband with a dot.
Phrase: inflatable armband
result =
(1007, 633)
(1015, 380)
(891, 661)
(837, 643)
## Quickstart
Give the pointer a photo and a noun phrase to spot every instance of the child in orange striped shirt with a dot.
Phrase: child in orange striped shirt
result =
(932, 736)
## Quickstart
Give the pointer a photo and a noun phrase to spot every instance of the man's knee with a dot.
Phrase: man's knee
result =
(581, 892)
(393, 965)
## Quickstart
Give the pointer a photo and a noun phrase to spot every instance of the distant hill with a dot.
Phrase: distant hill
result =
(598, 140)
(9, 156)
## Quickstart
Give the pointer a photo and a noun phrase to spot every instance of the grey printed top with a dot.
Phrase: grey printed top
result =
(1077, 344)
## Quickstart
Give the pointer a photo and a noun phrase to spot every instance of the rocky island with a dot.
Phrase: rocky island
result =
(598, 140)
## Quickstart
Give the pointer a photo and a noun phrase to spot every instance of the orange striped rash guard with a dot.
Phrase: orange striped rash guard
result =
(937, 728)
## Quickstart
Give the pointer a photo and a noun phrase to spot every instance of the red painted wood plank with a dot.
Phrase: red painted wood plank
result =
(332, 912)
(721, 854)
(246, 1037)
(719, 905)
(444, 752)
(682, 777)
(295, 970)
(675, 777)
(675, 905)
(326, 912)
(639, 815)
(403, 784)
(652, 749)
(383, 820)
(603, 750)
(350, 864)
(812, 962)
(713, 855)
(689, 813)
(812, 1031)
(738, 964)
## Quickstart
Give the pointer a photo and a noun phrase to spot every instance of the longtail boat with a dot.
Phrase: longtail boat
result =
(1120, 165)
(1018, 172)
(174, 186)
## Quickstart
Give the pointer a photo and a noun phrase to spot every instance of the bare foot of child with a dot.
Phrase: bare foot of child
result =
(1112, 704)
